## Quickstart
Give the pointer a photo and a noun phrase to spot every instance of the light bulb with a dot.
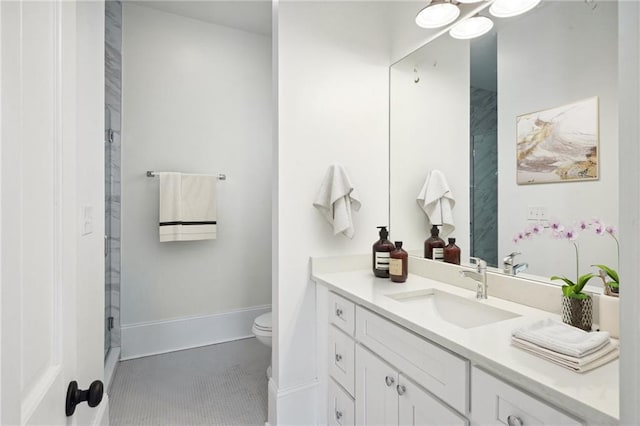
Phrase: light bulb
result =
(437, 14)
(509, 8)
(471, 28)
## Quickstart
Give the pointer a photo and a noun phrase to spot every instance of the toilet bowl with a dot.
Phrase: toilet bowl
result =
(262, 329)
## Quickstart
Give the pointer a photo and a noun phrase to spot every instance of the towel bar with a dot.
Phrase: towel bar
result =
(151, 173)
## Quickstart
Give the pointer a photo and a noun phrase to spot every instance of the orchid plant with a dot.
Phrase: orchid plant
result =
(573, 289)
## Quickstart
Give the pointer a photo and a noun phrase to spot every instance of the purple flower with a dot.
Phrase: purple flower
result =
(558, 234)
(537, 229)
(516, 240)
(571, 234)
(556, 226)
(528, 233)
(599, 229)
(611, 230)
(583, 225)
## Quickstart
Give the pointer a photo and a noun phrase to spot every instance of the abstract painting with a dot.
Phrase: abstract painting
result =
(558, 144)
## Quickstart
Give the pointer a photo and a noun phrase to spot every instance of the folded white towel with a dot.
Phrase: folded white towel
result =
(187, 207)
(605, 354)
(436, 199)
(562, 338)
(337, 199)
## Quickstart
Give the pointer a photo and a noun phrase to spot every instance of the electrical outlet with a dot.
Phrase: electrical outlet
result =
(537, 213)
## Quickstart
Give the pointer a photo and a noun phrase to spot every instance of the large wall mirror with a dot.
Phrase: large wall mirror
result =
(454, 108)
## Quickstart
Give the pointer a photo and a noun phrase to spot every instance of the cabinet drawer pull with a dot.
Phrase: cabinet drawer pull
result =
(338, 357)
(514, 421)
(338, 415)
(389, 380)
(401, 389)
(339, 312)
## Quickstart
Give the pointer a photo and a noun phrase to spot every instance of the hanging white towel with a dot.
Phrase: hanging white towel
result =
(187, 207)
(336, 200)
(436, 199)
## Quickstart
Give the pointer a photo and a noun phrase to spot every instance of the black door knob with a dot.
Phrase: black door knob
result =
(75, 396)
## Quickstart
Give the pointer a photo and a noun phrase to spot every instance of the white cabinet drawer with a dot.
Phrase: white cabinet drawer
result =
(494, 401)
(439, 371)
(342, 358)
(342, 313)
(341, 406)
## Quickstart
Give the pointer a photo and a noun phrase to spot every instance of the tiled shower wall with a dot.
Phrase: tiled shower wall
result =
(484, 139)
(113, 96)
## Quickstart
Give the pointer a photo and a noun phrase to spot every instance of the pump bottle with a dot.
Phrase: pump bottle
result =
(381, 250)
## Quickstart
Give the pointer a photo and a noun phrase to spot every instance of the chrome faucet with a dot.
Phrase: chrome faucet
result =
(510, 268)
(479, 275)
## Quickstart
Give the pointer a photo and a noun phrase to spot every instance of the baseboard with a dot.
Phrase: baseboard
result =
(295, 405)
(110, 367)
(152, 338)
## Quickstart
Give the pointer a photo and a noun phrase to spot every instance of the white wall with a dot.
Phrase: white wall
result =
(629, 69)
(196, 99)
(333, 60)
(430, 131)
(572, 59)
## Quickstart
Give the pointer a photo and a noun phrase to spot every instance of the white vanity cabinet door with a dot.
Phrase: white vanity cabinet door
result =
(341, 406)
(416, 407)
(341, 358)
(342, 313)
(376, 394)
(494, 402)
(443, 373)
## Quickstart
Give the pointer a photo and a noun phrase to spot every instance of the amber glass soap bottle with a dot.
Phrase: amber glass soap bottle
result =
(434, 245)
(452, 252)
(398, 264)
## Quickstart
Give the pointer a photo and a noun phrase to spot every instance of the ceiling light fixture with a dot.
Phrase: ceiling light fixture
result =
(471, 27)
(509, 8)
(438, 14)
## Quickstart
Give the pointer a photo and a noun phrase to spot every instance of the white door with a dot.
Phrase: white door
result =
(52, 281)
(376, 393)
(416, 407)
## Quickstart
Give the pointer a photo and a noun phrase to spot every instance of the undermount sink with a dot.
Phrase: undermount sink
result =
(457, 310)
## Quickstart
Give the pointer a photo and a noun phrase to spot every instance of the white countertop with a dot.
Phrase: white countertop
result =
(593, 396)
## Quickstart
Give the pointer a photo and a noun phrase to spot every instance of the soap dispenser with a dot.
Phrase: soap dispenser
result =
(434, 245)
(399, 264)
(452, 252)
(381, 250)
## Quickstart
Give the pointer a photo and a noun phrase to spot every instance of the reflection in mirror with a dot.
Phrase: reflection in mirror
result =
(555, 55)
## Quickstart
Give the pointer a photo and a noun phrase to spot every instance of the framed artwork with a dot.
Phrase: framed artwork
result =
(558, 144)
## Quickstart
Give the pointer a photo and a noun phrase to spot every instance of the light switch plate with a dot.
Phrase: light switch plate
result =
(538, 213)
(87, 220)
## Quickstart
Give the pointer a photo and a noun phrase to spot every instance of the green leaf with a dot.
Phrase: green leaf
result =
(613, 284)
(610, 272)
(582, 281)
(566, 290)
(565, 279)
(581, 296)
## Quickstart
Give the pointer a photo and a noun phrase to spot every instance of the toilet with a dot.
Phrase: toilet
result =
(263, 331)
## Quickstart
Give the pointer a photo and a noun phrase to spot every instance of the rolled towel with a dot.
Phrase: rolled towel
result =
(336, 199)
(562, 338)
(436, 200)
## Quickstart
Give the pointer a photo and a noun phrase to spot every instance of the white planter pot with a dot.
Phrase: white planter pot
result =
(610, 315)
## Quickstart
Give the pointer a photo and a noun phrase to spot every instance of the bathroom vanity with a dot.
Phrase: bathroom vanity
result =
(427, 352)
